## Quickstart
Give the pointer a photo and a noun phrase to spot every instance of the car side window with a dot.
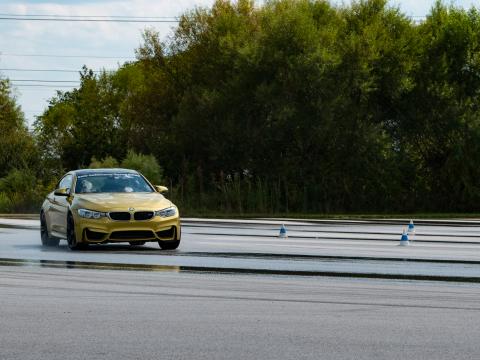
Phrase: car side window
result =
(66, 182)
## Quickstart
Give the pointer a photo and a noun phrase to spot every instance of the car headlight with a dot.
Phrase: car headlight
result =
(90, 214)
(171, 211)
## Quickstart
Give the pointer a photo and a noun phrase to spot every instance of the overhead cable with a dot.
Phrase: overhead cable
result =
(41, 80)
(89, 20)
(68, 56)
(51, 70)
(41, 85)
(89, 16)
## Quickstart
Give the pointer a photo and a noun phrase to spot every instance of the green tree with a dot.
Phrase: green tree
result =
(82, 123)
(17, 147)
(440, 124)
(289, 105)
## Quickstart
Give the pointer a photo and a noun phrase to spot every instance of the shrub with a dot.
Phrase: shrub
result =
(5, 203)
(108, 162)
(21, 191)
(18, 180)
(146, 164)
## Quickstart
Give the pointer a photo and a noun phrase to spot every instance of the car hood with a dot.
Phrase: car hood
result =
(106, 202)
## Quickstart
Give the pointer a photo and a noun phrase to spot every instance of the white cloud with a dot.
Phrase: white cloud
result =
(75, 38)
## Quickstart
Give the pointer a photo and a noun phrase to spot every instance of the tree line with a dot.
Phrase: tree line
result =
(292, 106)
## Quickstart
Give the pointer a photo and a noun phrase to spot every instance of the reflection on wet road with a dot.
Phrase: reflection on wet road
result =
(438, 251)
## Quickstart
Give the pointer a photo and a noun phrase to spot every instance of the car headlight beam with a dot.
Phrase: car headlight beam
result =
(91, 214)
(168, 212)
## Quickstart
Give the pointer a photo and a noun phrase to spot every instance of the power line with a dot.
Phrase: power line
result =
(69, 56)
(41, 85)
(42, 89)
(90, 16)
(51, 70)
(107, 17)
(54, 81)
(89, 20)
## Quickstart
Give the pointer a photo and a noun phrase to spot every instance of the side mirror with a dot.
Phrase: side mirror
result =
(161, 189)
(62, 192)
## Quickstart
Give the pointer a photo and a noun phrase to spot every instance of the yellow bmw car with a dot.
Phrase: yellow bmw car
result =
(98, 206)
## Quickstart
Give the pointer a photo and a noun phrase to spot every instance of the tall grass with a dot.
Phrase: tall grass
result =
(233, 195)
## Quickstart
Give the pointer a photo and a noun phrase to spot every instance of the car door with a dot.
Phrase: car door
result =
(60, 206)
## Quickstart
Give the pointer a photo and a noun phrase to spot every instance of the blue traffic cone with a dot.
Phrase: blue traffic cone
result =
(283, 232)
(404, 239)
(411, 228)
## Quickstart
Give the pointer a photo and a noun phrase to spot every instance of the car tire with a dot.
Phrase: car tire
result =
(137, 243)
(72, 242)
(169, 244)
(47, 240)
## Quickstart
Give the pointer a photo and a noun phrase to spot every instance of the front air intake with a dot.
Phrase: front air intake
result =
(168, 234)
(132, 235)
(94, 235)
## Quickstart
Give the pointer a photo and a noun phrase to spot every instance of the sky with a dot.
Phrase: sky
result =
(45, 45)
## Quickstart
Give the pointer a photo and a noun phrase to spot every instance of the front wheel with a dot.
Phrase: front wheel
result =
(73, 244)
(47, 240)
(169, 245)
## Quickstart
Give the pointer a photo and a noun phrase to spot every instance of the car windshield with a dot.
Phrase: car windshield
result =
(111, 183)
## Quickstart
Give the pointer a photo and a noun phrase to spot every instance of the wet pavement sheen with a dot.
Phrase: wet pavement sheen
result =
(366, 249)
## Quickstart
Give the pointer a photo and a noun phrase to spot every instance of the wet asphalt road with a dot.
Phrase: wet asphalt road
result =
(437, 252)
(233, 291)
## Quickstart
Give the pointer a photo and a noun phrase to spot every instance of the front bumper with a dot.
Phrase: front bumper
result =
(105, 230)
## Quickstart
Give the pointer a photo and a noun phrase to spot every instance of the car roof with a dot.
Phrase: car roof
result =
(103, 171)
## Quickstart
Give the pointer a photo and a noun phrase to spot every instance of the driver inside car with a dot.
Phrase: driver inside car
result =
(87, 186)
